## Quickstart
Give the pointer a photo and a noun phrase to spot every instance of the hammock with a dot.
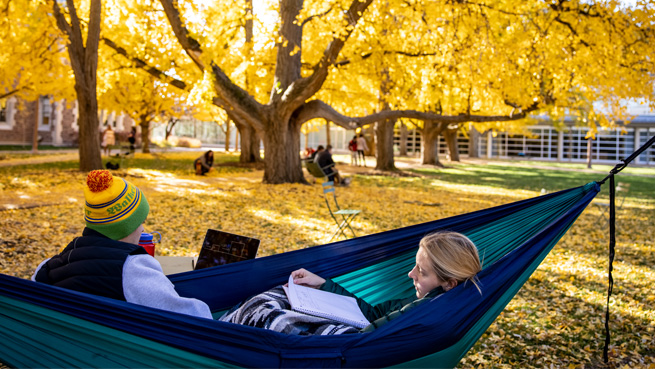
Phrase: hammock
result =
(46, 326)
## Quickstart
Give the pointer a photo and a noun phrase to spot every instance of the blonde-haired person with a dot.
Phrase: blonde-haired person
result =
(444, 260)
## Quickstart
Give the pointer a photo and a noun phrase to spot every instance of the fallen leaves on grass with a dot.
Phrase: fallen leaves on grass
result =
(556, 320)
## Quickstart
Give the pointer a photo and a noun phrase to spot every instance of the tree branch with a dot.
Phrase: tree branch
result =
(304, 88)
(93, 38)
(61, 20)
(570, 27)
(138, 63)
(396, 52)
(315, 16)
(238, 115)
(76, 29)
(10, 93)
(318, 109)
(189, 44)
(230, 97)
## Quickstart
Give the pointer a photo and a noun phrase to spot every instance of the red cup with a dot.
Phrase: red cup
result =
(146, 241)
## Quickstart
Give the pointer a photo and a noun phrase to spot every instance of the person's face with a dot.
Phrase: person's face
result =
(425, 279)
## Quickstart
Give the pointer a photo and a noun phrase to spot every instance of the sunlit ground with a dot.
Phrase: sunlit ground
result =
(555, 320)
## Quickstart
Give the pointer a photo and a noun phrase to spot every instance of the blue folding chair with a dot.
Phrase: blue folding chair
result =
(342, 217)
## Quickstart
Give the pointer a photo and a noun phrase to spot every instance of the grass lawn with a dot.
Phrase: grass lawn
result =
(555, 320)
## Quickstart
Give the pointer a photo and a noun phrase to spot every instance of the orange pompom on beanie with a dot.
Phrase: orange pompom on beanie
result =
(113, 206)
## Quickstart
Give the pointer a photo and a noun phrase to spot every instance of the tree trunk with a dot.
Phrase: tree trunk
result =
(144, 122)
(429, 135)
(384, 145)
(89, 139)
(589, 146)
(35, 128)
(84, 62)
(170, 125)
(372, 143)
(403, 139)
(227, 135)
(451, 141)
(327, 132)
(281, 150)
(248, 139)
(384, 130)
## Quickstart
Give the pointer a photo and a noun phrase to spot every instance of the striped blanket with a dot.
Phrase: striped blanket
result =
(271, 310)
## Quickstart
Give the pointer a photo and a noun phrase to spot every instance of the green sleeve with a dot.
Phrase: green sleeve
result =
(371, 312)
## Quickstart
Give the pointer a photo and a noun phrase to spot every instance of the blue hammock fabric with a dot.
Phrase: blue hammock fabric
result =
(513, 240)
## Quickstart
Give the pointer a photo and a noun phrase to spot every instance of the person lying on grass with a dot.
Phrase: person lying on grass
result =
(443, 261)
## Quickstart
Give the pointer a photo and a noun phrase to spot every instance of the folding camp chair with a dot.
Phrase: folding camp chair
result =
(347, 215)
(621, 191)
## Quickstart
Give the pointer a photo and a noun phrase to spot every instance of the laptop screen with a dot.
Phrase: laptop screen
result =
(221, 248)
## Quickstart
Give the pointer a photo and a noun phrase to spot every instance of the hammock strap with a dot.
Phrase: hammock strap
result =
(612, 231)
(610, 286)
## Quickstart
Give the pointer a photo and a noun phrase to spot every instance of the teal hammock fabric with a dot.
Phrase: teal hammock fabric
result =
(51, 327)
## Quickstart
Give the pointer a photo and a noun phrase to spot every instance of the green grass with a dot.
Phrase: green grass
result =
(530, 176)
(175, 162)
(515, 175)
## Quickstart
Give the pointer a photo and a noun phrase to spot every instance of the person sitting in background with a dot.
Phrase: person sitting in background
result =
(132, 139)
(107, 259)
(204, 163)
(325, 161)
(314, 155)
(444, 260)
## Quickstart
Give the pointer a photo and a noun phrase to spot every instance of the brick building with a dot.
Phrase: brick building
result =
(56, 120)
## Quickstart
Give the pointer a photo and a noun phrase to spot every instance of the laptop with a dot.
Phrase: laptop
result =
(220, 248)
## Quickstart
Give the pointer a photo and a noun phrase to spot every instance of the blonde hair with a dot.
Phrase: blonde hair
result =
(453, 256)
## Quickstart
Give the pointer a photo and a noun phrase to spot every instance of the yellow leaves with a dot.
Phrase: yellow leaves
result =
(295, 50)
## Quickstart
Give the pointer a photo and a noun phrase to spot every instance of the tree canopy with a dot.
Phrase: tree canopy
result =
(273, 66)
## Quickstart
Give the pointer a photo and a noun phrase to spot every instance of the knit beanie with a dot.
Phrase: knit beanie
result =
(113, 206)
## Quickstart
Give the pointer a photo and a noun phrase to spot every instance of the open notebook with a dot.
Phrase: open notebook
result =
(325, 304)
(221, 248)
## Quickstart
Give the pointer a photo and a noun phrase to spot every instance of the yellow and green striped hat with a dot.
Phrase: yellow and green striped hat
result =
(113, 206)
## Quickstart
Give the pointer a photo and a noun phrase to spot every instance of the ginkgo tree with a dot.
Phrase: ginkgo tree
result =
(490, 64)
(32, 60)
(82, 36)
(173, 68)
(357, 63)
(142, 97)
(33, 53)
(495, 61)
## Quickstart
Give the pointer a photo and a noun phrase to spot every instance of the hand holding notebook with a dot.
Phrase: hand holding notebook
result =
(325, 304)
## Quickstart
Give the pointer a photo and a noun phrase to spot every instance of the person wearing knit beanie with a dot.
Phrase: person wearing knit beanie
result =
(107, 259)
(113, 206)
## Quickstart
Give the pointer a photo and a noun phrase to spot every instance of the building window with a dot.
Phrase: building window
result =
(7, 114)
(45, 110)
